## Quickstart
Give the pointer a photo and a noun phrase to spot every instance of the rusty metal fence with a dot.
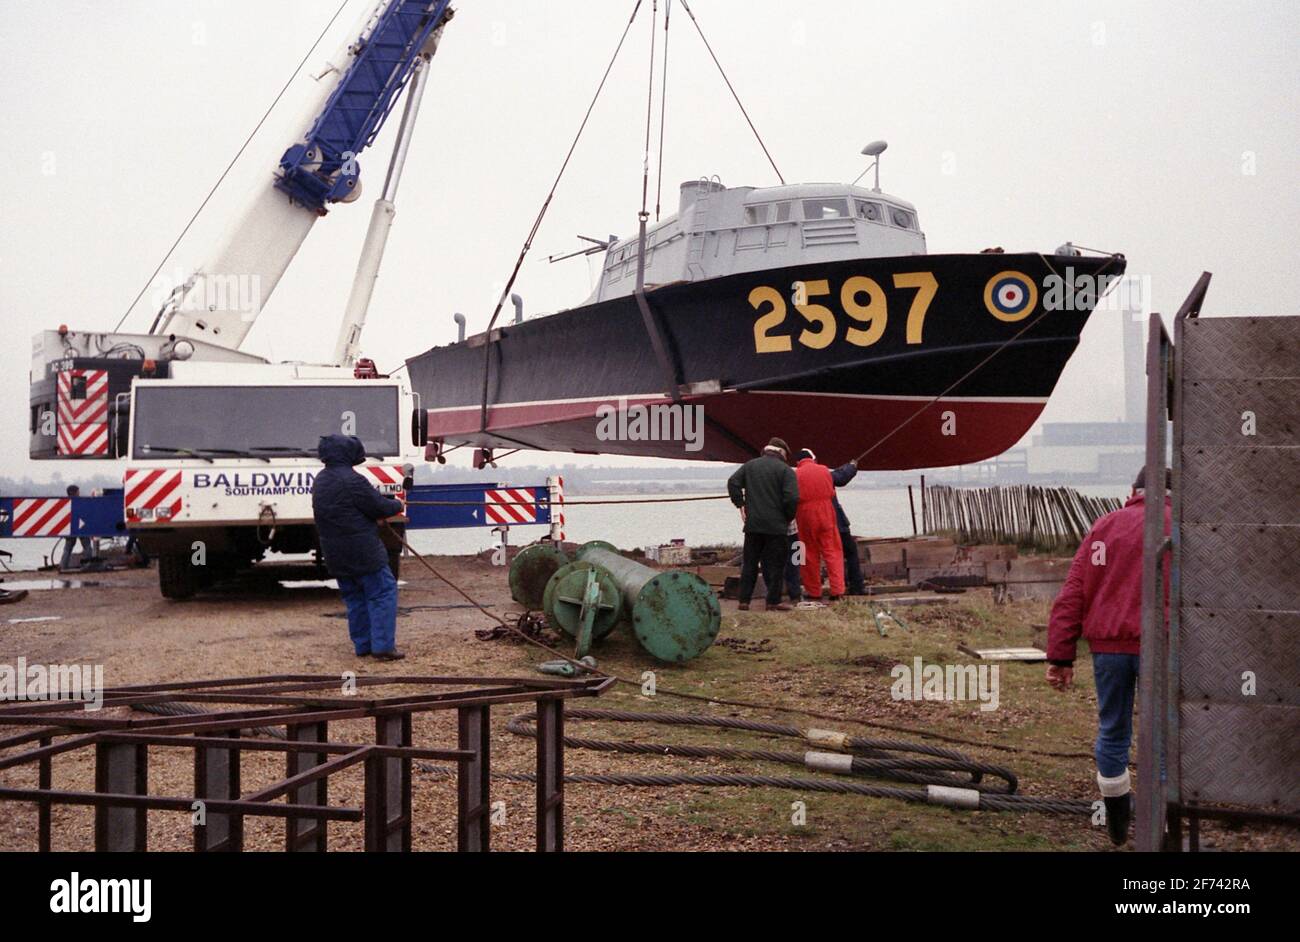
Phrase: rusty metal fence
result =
(238, 715)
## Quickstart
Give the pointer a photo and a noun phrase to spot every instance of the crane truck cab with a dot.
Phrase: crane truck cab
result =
(222, 457)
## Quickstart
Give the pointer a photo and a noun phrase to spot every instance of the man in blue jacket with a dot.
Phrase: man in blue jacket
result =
(853, 577)
(347, 510)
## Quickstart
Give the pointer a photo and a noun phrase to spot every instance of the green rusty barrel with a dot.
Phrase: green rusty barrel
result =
(582, 600)
(531, 569)
(675, 615)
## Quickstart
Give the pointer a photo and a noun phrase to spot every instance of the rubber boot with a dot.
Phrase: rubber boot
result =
(1116, 794)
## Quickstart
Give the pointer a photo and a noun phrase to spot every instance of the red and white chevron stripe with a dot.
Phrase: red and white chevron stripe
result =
(387, 478)
(83, 419)
(510, 505)
(555, 485)
(43, 516)
(83, 438)
(152, 489)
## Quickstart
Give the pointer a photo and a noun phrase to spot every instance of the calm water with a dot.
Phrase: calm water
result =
(699, 523)
(882, 512)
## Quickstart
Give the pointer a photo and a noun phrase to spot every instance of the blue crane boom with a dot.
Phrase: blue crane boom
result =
(323, 168)
(81, 379)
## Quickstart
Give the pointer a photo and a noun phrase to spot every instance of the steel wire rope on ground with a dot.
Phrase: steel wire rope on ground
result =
(862, 764)
(723, 701)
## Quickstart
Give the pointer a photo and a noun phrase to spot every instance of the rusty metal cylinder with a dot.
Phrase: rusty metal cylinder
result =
(675, 615)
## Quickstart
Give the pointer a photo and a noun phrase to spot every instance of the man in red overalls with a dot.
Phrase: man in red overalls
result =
(818, 529)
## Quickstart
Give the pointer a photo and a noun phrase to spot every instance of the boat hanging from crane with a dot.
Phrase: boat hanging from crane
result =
(808, 311)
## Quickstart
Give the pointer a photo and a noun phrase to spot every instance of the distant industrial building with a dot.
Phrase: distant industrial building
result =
(1099, 451)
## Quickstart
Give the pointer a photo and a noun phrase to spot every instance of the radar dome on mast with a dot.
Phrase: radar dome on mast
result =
(874, 149)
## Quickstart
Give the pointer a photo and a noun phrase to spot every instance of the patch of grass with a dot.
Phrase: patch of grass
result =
(834, 662)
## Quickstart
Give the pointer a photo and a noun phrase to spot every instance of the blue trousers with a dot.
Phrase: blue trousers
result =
(854, 582)
(371, 601)
(1116, 676)
(69, 543)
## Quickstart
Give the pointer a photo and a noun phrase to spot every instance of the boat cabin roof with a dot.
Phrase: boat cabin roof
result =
(721, 230)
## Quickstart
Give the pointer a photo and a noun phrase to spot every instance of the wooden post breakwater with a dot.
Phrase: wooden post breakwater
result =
(1047, 519)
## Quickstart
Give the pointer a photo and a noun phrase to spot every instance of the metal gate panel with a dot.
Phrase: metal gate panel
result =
(1264, 486)
(1214, 411)
(1251, 566)
(1246, 754)
(1239, 347)
(1235, 590)
(1218, 648)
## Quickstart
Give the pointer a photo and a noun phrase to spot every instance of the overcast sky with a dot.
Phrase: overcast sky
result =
(1166, 131)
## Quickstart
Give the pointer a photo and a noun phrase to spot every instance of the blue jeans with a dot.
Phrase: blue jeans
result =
(69, 544)
(1116, 676)
(854, 581)
(372, 610)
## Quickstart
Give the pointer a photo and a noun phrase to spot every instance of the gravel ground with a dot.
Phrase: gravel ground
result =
(258, 627)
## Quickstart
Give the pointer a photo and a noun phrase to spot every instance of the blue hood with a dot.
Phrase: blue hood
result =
(345, 450)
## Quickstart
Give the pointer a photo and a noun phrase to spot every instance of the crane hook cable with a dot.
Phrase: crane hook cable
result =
(663, 111)
(722, 701)
(541, 214)
(221, 178)
(649, 113)
(731, 88)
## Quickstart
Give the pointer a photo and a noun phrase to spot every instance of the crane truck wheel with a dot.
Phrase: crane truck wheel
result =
(177, 578)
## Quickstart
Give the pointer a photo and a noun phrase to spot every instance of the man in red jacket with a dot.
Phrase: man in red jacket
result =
(1102, 600)
(818, 529)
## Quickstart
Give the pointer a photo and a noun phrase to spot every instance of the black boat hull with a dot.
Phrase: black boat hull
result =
(925, 361)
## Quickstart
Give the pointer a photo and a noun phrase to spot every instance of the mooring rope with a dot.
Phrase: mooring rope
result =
(567, 503)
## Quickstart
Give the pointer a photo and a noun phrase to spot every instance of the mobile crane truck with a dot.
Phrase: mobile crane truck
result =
(220, 443)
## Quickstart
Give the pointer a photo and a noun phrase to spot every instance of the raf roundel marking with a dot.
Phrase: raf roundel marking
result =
(1010, 296)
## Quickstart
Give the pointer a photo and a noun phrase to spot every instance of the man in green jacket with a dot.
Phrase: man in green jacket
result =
(767, 493)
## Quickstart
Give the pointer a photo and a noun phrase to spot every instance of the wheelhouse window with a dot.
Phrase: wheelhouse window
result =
(870, 211)
(902, 218)
(825, 209)
(757, 215)
(782, 212)
(262, 421)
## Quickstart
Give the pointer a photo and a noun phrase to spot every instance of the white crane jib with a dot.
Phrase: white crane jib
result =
(221, 301)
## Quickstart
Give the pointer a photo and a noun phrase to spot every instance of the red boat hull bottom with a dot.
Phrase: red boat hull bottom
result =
(896, 432)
